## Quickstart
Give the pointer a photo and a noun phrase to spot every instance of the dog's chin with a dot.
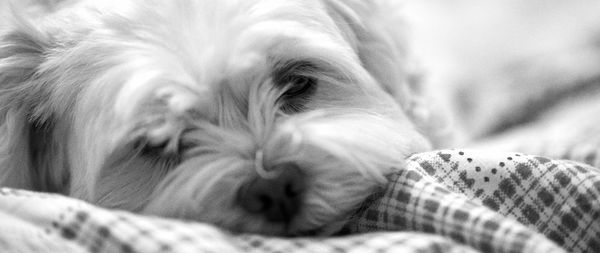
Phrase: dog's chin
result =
(342, 167)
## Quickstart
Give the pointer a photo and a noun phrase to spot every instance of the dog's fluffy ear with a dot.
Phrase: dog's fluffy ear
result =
(376, 29)
(25, 128)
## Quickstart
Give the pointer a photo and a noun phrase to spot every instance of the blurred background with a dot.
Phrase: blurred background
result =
(512, 74)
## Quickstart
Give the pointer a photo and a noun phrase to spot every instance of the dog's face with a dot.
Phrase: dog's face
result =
(259, 116)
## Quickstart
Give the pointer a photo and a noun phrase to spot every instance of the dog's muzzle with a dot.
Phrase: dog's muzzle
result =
(275, 193)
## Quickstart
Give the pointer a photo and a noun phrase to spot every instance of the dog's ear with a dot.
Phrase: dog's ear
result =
(377, 31)
(25, 129)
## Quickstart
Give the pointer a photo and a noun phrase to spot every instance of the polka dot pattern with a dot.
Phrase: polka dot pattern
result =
(495, 202)
(442, 201)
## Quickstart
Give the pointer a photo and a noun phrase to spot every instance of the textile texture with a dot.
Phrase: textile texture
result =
(442, 201)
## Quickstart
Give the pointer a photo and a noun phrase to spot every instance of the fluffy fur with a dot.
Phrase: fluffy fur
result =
(162, 107)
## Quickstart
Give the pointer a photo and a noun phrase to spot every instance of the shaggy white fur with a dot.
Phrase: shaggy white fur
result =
(163, 107)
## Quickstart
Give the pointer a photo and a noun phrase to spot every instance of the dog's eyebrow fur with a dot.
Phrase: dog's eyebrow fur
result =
(283, 69)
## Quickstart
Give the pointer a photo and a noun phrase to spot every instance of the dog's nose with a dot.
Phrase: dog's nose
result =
(278, 198)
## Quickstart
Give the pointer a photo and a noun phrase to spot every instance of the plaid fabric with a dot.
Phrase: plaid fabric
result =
(59, 224)
(443, 201)
(465, 195)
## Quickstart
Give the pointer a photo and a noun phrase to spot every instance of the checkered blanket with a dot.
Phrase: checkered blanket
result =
(443, 201)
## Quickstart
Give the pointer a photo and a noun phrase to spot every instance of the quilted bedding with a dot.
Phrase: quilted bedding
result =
(443, 201)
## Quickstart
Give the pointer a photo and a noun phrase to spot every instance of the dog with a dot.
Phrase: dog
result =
(259, 116)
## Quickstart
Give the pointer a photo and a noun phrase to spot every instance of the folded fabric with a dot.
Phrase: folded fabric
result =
(466, 195)
(442, 201)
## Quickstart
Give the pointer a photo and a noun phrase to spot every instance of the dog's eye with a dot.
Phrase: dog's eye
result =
(168, 149)
(299, 86)
(297, 81)
(298, 91)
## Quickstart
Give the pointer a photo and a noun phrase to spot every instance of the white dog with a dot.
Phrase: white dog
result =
(267, 116)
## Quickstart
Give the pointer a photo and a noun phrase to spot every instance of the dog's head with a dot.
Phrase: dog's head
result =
(276, 117)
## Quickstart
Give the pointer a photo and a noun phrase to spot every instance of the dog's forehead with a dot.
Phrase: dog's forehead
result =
(228, 36)
(212, 20)
(254, 26)
(206, 31)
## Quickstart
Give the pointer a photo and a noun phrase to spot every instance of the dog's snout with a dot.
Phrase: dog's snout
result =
(278, 198)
